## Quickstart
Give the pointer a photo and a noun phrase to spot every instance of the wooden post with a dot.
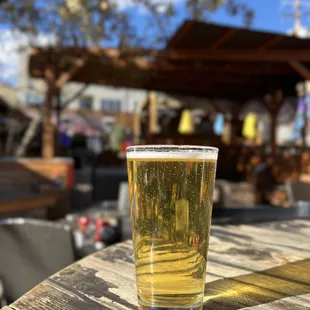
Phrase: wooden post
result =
(274, 115)
(54, 86)
(48, 143)
(58, 120)
(305, 129)
(301, 92)
(153, 113)
(136, 128)
(137, 122)
(58, 108)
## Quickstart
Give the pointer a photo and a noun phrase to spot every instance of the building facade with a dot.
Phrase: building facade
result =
(94, 98)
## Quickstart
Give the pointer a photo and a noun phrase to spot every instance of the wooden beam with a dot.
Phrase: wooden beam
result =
(242, 55)
(215, 94)
(223, 38)
(248, 91)
(218, 83)
(75, 96)
(66, 76)
(240, 69)
(96, 73)
(207, 89)
(181, 33)
(300, 68)
(269, 43)
(216, 78)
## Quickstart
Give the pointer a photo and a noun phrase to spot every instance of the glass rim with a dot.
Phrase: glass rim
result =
(172, 151)
(172, 147)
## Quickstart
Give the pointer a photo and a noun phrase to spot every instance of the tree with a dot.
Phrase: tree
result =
(85, 23)
(98, 22)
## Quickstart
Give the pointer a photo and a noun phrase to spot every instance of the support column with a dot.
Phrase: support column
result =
(48, 136)
(137, 122)
(306, 112)
(57, 125)
(48, 143)
(274, 115)
(153, 113)
(54, 85)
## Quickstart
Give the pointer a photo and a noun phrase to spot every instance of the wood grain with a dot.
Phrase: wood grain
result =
(257, 267)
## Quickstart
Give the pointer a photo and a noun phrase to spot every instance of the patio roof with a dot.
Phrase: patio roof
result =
(201, 59)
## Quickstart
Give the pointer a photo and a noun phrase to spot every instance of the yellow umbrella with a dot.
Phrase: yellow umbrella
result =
(186, 125)
(249, 126)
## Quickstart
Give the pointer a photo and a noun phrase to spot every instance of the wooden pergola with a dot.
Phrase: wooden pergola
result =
(200, 60)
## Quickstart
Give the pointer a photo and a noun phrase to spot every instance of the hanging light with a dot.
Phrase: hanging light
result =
(186, 125)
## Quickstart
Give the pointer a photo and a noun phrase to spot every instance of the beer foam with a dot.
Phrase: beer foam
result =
(167, 152)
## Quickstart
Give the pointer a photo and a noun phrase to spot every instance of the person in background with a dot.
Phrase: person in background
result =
(128, 140)
(116, 138)
(263, 178)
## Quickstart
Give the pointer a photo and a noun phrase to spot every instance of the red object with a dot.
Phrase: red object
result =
(125, 144)
(70, 176)
(99, 225)
(83, 222)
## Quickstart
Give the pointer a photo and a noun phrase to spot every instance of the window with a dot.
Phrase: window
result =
(34, 99)
(86, 103)
(110, 105)
(105, 105)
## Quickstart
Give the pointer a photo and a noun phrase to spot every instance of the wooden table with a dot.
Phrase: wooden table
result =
(261, 267)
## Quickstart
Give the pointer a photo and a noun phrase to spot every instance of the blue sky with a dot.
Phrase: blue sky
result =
(268, 17)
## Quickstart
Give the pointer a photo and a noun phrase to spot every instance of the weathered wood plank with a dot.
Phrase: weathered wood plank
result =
(268, 236)
(289, 303)
(263, 287)
(253, 248)
(249, 267)
(51, 296)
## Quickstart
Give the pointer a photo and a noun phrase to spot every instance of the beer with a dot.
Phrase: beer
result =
(171, 203)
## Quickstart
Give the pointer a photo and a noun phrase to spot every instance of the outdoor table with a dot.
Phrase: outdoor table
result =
(262, 266)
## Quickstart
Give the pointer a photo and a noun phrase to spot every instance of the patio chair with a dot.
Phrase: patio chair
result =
(298, 192)
(107, 182)
(31, 251)
(299, 197)
(2, 300)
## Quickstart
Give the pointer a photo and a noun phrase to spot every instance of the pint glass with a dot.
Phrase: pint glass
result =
(171, 193)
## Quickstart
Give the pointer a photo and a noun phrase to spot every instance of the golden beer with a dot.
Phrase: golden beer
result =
(171, 192)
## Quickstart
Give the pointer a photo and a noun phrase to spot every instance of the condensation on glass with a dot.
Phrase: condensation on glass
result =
(171, 191)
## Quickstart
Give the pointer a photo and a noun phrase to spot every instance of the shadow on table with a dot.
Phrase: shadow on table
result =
(258, 288)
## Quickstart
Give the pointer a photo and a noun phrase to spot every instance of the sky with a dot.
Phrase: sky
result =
(268, 17)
